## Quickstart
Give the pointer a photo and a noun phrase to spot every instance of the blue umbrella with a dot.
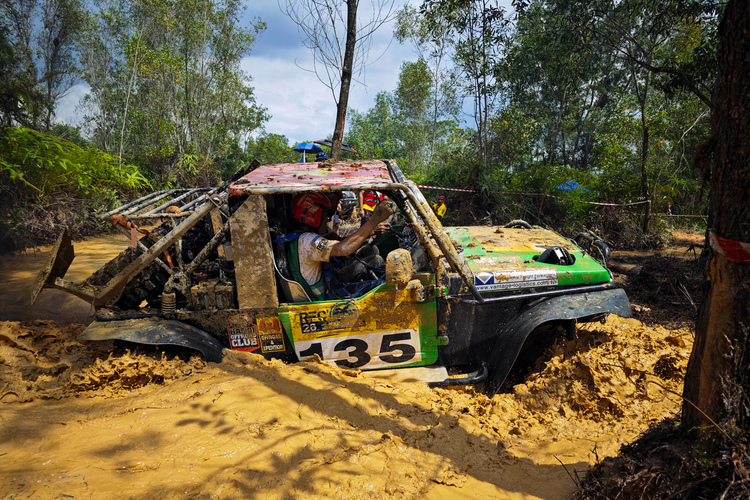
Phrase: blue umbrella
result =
(307, 147)
(571, 185)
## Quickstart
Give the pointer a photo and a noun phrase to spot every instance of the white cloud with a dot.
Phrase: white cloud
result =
(301, 107)
(67, 108)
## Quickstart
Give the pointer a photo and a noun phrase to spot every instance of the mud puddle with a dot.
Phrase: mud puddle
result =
(80, 422)
(20, 270)
(99, 420)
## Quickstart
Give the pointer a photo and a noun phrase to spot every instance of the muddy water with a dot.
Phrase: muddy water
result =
(92, 420)
(19, 271)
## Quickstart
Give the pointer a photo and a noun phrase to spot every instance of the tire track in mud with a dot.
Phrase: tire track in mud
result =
(320, 431)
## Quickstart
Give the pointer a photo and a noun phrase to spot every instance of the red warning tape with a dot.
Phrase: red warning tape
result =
(542, 194)
(734, 251)
(447, 189)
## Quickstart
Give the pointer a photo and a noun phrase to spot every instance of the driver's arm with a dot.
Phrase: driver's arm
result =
(351, 243)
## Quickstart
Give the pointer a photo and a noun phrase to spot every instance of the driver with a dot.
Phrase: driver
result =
(317, 245)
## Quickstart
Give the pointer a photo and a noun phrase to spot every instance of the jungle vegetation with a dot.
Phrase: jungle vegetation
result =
(588, 101)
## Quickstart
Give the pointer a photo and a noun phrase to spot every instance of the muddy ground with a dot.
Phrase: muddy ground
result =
(104, 420)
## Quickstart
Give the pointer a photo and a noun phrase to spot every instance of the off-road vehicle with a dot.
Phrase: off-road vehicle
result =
(214, 274)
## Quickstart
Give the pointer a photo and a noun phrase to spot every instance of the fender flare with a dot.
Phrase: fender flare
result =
(155, 331)
(512, 336)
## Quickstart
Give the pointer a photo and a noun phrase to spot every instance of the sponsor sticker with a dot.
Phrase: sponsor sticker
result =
(250, 334)
(317, 323)
(243, 336)
(515, 279)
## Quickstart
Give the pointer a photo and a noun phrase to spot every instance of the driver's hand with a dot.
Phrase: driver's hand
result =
(381, 228)
(381, 213)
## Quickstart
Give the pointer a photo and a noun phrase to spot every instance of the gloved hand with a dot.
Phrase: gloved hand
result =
(381, 213)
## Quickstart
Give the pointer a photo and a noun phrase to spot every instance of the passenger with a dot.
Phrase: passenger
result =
(336, 220)
(368, 200)
(313, 248)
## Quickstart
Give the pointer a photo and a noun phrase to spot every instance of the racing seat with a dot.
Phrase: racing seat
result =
(293, 291)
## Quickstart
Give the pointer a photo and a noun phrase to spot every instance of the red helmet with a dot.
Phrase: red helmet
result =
(308, 208)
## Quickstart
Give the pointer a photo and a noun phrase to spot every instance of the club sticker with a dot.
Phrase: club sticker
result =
(250, 334)
(243, 336)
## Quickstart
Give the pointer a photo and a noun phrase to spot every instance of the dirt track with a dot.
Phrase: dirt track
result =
(94, 420)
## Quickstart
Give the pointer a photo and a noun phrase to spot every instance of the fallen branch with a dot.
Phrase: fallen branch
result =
(630, 271)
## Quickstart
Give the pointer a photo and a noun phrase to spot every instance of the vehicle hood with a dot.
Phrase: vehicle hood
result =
(505, 259)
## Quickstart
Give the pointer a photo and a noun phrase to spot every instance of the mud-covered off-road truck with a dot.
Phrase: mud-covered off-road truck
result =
(454, 304)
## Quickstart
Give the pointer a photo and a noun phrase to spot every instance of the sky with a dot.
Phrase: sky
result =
(301, 107)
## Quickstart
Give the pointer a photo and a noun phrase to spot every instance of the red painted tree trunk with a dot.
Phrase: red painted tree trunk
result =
(719, 368)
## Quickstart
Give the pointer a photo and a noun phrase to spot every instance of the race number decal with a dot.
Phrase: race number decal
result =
(371, 350)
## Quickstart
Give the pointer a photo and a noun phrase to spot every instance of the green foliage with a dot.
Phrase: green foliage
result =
(515, 133)
(376, 133)
(41, 35)
(70, 133)
(17, 91)
(269, 149)
(166, 82)
(197, 171)
(413, 101)
(39, 167)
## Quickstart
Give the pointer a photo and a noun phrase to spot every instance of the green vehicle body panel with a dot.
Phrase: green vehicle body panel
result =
(510, 256)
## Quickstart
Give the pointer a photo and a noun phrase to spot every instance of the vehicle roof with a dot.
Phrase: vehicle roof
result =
(325, 176)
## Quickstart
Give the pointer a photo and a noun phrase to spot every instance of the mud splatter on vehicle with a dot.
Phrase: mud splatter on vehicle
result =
(456, 305)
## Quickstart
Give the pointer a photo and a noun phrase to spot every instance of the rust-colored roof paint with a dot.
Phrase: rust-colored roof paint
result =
(295, 176)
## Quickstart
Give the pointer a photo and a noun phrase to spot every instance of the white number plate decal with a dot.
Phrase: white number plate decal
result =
(371, 350)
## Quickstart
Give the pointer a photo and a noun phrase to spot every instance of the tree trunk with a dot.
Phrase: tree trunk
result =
(346, 78)
(719, 366)
(643, 101)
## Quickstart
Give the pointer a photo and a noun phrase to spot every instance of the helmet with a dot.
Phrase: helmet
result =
(308, 208)
(322, 156)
